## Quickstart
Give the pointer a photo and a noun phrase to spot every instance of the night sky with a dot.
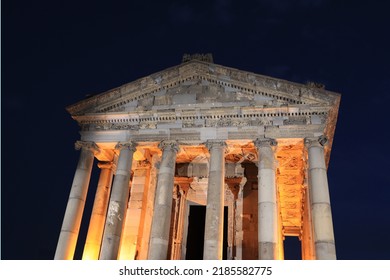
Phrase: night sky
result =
(55, 53)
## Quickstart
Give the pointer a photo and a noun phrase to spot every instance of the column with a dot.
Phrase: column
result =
(319, 200)
(149, 205)
(159, 237)
(280, 246)
(268, 236)
(180, 225)
(213, 235)
(118, 202)
(75, 207)
(133, 221)
(239, 235)
(308, 251)
(99, 211)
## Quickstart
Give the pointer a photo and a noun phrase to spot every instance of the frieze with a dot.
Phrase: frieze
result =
(106, 126)
(196, 121)
(224, 122)
(294, 120)
(121, 126)
(192, 124)
(148, 125)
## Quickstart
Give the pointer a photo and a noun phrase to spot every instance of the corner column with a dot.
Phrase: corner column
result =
(268, 236)
(321, 213)
(159, 238)
(118, 202)
(213, 236)
(74, 210)
(99, 211)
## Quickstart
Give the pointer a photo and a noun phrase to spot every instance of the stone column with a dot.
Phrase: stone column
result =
(180, 224)
(319, 200)
(239, 235)
(118, 202)
(308, 250)
(159, 238)
(99, 211)
(149, 205)
(133, 221)
(75, 207)
(185, 231)
(267, 201)
(280, 232)
(213, 235)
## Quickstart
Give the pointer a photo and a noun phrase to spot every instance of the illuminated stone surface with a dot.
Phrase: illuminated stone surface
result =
(192, 104)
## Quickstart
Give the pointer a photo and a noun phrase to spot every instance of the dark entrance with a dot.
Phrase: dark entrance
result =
(195, 236)
(292, 248)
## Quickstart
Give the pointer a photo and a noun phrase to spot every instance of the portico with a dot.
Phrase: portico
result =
(208, 135)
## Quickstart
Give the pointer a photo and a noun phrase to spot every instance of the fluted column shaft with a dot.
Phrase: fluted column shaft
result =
(118, 203)
(159, 237)
(99, 212)
(213, 236)
(268, 236)
(74, 210)
(319, 200)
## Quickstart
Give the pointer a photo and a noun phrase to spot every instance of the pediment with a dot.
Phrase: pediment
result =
(198, 84)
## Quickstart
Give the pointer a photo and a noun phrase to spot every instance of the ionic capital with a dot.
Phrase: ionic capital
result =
(130, 145)
(169, 145)
(265, 142)
(87, 145)
(215, 144)
(316, 141)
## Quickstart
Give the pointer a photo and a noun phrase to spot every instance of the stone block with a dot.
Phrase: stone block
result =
(208, 133)
(187, 98)
(169, 125)
(315, 119)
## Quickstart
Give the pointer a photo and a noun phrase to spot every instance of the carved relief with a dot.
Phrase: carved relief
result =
(208, 57)
(224, 122)
(148, 125)
(296, 120)
(320, 141)
(211, 123)
(215, 143)
(169, 144)
(143, 164)
(105, 126)
(87, 145)
(240, 122)
(126, 145)
(265, 142)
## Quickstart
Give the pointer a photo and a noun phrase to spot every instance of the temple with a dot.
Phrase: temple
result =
(246, 151)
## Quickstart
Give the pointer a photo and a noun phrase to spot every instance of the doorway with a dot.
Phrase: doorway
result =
(195, 236)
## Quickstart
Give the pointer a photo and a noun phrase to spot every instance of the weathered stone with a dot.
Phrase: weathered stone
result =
(191, 104)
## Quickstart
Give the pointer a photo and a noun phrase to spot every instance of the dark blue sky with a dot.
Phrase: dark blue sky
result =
(54, 53)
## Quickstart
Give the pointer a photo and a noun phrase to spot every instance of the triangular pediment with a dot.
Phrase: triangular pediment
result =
(197, 84)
